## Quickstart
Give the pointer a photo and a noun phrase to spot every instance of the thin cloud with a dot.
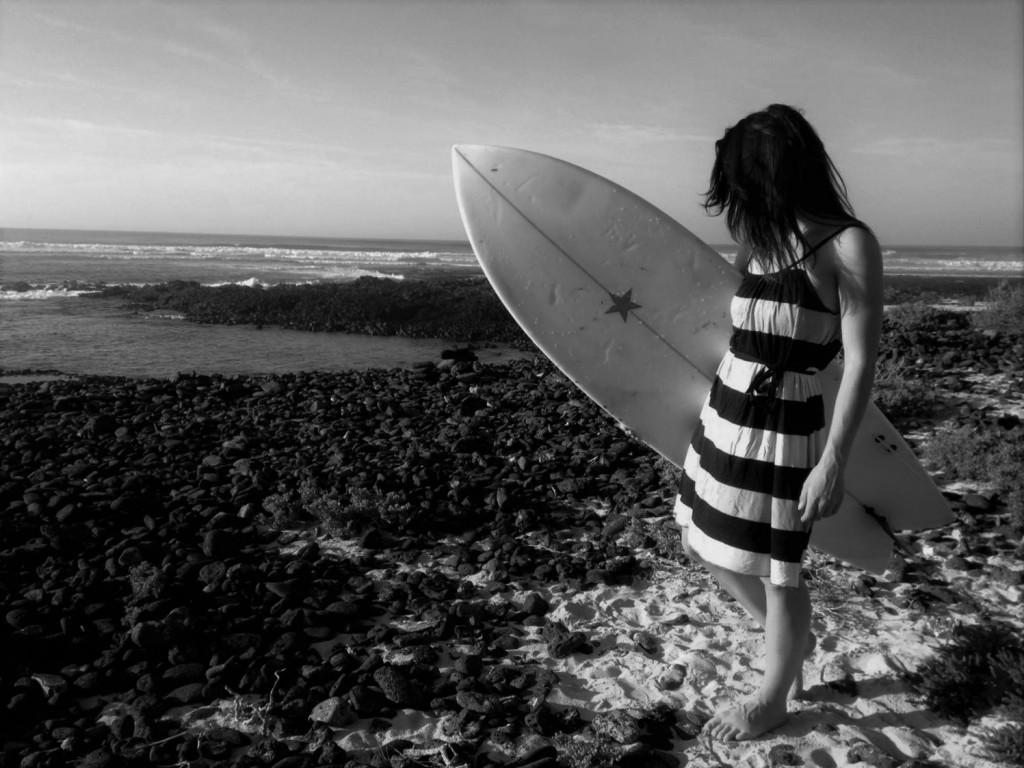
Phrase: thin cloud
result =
(630, 133)
(112, 141)
(932, 147)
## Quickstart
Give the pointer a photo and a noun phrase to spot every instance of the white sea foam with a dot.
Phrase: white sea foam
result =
(107, 252)
(37, 293)
(909, 265)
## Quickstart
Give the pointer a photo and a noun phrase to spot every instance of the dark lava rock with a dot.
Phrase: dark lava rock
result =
(535, 605)
(567, 644)
(365, 702)
(783, 754)
(219, 543)
(397, 687)
(184, 673)
(483, 704)
(98, 426)
(190, 693)
(149, 635)
(469, 665)
(333, 711)
(869, 754)
(646, 642)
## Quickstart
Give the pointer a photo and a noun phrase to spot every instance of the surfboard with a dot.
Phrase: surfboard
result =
(634, 309)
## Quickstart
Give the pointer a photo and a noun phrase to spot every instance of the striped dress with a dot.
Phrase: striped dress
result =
(761, 430)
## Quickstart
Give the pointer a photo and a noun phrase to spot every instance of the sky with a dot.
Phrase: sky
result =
(336, 119)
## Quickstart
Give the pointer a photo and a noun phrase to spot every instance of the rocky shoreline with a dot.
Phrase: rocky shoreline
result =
(456, 309)
(274, 571)
(463, 309)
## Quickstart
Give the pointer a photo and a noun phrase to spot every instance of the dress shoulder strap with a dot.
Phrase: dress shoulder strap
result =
(827, 239)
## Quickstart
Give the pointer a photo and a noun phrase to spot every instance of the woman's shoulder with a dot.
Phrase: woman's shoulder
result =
(854, 248)
(856, 238)
(742, 258)
(839, 234)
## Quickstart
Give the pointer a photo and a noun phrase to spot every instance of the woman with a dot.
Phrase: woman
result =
(762, 467)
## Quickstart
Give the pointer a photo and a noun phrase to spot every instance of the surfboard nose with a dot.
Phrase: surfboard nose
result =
(471, 153)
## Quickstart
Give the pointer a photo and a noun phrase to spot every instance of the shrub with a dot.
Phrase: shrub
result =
(973, 673)
(991, 456)
(370, 507)
(898, 393)
(1007, 743)
(365, 508)
(981, 669)
(1005, 312)
(148, 583)
(912, 317)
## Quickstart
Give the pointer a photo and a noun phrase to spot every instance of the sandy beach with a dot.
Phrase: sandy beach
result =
(460, 565)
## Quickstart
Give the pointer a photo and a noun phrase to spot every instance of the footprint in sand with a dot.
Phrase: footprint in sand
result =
(700, 669)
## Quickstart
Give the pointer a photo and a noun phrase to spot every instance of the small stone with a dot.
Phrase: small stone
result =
(469, 665)
(51, 684)
(673, 678)
(271, 387)
(396, 686)
(219, 543)
(365, 702)
(646, 642)
(20, 618)
(189, 693)
(148, 634)
(97, 426)
(614, 526)
(535, 605)
(977, 502)
(183, 673)
(869, 754)
(783, 754)
(478, 702)
(333, 711)
(566, 645)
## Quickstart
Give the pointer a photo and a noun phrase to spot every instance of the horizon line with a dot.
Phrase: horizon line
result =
(183, 233)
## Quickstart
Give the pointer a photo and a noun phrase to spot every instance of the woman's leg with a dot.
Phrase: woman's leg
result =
(786, 635)
(787, 628)
(748, 591)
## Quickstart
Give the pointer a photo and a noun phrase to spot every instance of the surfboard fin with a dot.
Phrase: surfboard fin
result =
(884, 525)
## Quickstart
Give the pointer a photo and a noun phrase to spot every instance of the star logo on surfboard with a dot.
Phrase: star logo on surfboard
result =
(623, 303)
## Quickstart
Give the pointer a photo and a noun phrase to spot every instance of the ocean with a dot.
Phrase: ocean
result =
(45, 324)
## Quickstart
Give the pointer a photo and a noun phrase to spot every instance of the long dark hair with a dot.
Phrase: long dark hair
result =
(769, 167)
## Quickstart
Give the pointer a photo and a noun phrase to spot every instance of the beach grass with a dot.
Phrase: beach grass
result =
(1004, 310)
(979, 669)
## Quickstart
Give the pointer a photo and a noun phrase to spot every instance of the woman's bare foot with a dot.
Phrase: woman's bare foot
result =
(797, 689)
(751, 718)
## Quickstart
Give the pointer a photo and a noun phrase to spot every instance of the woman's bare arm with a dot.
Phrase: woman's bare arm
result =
(858, 271)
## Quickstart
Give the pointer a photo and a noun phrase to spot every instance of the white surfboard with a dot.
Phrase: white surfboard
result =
(634, 309)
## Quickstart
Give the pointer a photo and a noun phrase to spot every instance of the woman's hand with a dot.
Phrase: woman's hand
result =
(822, 493)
